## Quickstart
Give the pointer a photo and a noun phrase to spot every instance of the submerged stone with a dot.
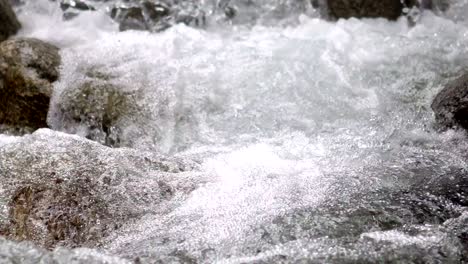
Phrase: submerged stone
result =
(28, 67)
(9, 24)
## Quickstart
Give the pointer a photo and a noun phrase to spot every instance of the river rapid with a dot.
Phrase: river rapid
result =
(314, 141)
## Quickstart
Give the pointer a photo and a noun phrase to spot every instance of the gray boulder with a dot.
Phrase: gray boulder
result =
(63, 190)
(28, 67)
(451, 104)
(9, 24)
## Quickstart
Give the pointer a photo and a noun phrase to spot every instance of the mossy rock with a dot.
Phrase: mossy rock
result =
(100, 108)
(28, 67)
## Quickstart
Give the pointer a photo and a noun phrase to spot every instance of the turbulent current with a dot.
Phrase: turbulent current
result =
(312, 141)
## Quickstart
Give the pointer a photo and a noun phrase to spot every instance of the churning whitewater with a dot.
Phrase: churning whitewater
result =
(283, 137)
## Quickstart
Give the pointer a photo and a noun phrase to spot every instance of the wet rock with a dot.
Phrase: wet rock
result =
(450, 106)
(390, 9)
(263, 12)
(63, 190)
(9, 24)
(158, 16)
(191, 20)
(405, 229)
(143, 15)
(377, 211)
(155, 11)
(75, 4)
(98, 109)
(70, 213)
(230, 12)
(129, 18)
(28, 67)
(72, 8)
(146, 16)
(389, 224)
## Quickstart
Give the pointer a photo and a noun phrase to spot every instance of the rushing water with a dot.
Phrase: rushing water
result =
(299, 127)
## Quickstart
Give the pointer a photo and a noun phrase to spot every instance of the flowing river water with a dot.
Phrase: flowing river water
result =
(314, 140)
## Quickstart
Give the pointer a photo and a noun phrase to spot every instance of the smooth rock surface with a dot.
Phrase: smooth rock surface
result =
(131, 18)
(146, 16)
